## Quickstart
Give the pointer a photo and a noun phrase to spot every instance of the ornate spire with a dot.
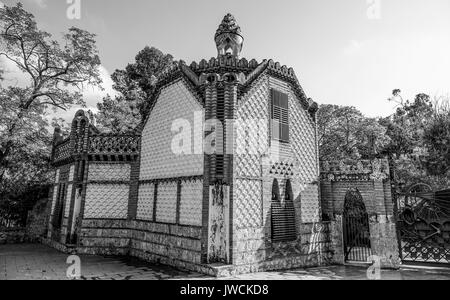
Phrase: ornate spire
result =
(228, 38)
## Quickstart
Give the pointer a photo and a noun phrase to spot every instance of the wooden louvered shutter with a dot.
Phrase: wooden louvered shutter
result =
(280, 116)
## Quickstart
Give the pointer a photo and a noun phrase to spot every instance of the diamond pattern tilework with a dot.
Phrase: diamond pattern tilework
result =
(145, 202)
(68, 201)
(248, 165)
(304, 143)
(109, 172)
(166, 205)
(191, 202)
(248, 199)
(304, 151)
(310, 205)
(252, 130)
(302, 134)
(106, 201)
(157, 158)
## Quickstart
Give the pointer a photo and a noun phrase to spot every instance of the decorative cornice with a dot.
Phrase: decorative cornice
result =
(224, 64)
(86, 140)
(360, 170)
(227, 64)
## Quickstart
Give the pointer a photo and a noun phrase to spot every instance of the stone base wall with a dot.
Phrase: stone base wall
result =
(167, 241)
(13, 236)
(156, 241)
(252, 251)
(180, 246)
(58, 246)
(106, 237)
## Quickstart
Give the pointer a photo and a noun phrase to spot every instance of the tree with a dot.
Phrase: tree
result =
(345, 133)
(116, 115)
(52, 70)
(419, 131)
(406, 126)
(56, 74)
(436, 138)
(135, 85)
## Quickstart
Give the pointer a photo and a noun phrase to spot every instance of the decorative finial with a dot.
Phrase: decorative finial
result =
(228, 38)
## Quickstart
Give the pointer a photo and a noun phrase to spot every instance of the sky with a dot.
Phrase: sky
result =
(346, 52)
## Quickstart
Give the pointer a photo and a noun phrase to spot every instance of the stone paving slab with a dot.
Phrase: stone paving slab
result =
(39, 262)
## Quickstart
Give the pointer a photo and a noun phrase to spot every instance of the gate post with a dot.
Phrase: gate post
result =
(394, 188)
(337, 240)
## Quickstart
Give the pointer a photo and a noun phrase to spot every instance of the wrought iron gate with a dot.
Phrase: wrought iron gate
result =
(356, 228)
(423, 224)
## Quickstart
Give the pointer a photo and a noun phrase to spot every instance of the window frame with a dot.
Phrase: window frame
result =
(279, 115)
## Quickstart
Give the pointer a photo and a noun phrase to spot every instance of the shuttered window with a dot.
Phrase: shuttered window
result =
(282, 215)
(280, 116)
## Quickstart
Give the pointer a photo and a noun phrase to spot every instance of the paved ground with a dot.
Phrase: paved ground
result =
(30, 262)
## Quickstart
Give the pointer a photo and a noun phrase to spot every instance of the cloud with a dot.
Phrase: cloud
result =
(40, 3)
(12, 75)
(367, 70)
(354, 47)
(91, 95)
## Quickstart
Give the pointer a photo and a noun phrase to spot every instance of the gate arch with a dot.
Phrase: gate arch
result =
(357, 246)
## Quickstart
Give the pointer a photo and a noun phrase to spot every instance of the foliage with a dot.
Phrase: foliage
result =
(420, 139)
(135, 86)
(51, 68)
(406, 126)
(416, 137)
(115, 115)
(14, 209)
(436, 137)
(344, 132)
(55, 77)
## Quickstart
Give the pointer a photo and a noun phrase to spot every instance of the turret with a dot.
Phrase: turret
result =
(228, 38)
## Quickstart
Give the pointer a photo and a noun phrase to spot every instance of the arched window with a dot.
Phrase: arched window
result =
(288, 193)
(289, 211)
(282, 216)
(275, 191)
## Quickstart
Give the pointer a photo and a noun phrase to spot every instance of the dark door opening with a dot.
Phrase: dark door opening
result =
(357, 246)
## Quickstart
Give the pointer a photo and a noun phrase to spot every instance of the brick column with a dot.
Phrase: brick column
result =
(326, 197)
(134, 189)
(220, 102)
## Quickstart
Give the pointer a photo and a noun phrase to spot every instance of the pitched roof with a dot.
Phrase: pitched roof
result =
(249, 70)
